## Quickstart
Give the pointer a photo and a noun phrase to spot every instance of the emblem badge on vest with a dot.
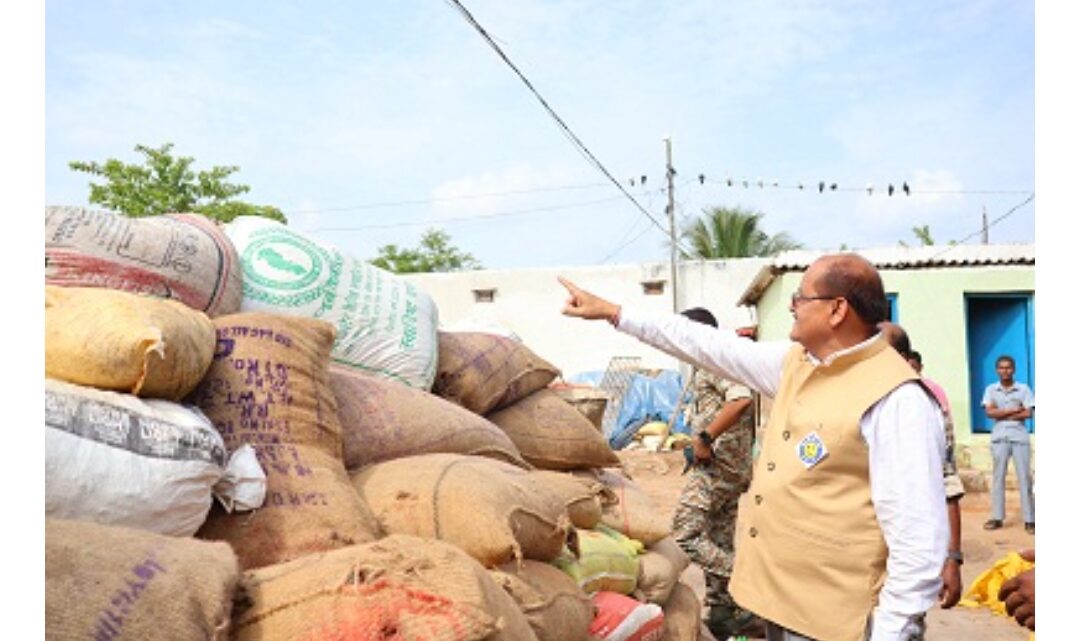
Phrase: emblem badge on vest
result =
(811, 450)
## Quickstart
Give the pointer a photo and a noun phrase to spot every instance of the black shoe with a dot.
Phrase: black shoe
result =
(993, 524)
(720, 622)
(724, 623)
(1030, 527)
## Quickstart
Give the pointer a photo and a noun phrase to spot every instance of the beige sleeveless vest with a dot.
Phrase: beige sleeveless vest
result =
(809, 553)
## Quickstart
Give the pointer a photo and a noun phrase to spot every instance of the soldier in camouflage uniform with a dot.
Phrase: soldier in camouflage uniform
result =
(722, 418)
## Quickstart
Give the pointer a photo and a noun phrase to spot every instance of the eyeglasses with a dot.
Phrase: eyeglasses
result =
(797, 297)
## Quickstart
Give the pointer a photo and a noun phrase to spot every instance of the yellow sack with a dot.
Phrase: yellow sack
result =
(653, 428)
(116, 340)
(984, 591)
(608, 561)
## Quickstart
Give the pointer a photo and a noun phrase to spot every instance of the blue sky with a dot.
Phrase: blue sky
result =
(340, 112)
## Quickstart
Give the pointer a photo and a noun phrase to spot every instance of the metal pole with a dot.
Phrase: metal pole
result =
(985, 229)
(671, 227)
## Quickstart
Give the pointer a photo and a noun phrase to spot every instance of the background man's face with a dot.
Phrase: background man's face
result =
(1005, 371)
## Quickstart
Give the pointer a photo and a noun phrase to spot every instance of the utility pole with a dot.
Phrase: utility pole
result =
(985, 229)
(671, 226)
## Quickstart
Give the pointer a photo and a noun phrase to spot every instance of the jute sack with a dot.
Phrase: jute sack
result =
(269, 388)
(185, 257)
(107, 582)
(662, 565)
(400, 587)
(494, 511)
(634, 513)
(114, 340)
(682, 615)
(584, 498)
(484, 372)
(555, 607)
(385, 325)
(552, 435)
(383, 419)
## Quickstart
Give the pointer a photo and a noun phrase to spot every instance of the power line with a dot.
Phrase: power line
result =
(899, 187)
(997, 220)
(468, 218)
(426, 201)
(578, 144)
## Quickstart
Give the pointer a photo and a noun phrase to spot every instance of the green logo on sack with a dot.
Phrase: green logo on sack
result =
(281, 261)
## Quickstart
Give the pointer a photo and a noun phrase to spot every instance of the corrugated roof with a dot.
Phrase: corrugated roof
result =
(896, 258)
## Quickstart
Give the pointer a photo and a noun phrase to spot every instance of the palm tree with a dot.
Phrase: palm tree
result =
(922, 233)
(720, 232)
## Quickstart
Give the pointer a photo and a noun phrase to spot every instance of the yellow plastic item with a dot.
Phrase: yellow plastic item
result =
(984, 590)
(678, 441)
(654, 428)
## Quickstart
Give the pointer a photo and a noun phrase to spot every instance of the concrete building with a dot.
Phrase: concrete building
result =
(528, 302)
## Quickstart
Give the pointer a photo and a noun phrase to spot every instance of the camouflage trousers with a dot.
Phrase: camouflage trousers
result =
(704, 526)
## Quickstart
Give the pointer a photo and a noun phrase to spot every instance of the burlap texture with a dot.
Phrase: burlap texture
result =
(125, 342)
(494, 511)
(269, 387)
(584, 497)
(382, 419)
(185, 257)
(552, 435)
(401, 587)
(634, 513)
(662, 566)
(107, 582)
(682, 615)
(555, 607)
(484, 372)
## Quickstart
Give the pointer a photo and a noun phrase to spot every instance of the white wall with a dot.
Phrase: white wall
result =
(529, 303)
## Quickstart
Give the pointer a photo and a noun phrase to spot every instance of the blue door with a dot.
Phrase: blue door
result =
(997, 325)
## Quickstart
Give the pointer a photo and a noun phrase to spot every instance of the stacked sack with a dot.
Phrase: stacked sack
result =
(409, 483)
(131, 470)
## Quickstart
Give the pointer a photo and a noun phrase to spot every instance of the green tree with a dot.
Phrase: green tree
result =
(435, 254)
(165, 183)
(922, 234)
(720, 232)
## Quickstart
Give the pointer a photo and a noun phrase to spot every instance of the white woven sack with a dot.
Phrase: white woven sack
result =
(116, 459)
(385, 325)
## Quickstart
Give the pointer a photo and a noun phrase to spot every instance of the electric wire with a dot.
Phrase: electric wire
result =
(459, 219)
(578, 144)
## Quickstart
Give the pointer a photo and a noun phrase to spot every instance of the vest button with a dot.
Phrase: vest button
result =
(771, 466)
(786, 435)
(753, 531)
(758, 499)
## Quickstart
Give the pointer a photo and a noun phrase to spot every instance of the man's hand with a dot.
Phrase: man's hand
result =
(702, 452)
(582, 304)
(951, 584)
(1018, 594)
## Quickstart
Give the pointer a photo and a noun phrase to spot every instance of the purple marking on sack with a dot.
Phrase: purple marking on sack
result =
(110, 622)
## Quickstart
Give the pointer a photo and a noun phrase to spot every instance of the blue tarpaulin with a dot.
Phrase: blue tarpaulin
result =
(646, 399)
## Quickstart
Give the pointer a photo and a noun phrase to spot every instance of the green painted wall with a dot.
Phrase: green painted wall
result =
(930, 306)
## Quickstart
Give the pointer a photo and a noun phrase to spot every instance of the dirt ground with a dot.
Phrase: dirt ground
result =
(659, 475)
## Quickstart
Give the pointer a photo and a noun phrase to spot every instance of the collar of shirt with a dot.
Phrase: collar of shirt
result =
(837, 354)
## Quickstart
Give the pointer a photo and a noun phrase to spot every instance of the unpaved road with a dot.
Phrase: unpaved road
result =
(659, 475)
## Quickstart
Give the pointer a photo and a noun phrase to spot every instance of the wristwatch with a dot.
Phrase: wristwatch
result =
(957, 556)
(705, 437)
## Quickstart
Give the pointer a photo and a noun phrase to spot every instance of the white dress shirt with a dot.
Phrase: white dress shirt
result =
(904, 433)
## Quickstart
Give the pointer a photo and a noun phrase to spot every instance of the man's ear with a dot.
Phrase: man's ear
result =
(839, 312)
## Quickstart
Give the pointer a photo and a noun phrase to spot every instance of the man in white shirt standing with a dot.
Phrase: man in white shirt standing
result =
(1009, 403)
(846, 532)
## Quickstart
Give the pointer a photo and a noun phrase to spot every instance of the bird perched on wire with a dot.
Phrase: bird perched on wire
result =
(907, 190)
